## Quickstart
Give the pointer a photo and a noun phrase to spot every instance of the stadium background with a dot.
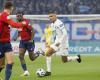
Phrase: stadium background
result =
(78, 39)
(76, 28)
(78, 16)
(60, 6)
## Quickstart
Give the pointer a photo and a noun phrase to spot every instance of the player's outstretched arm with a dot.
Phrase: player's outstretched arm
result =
(16, 24)
(32, 34)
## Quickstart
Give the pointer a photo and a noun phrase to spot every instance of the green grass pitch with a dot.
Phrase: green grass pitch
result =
(89, 69)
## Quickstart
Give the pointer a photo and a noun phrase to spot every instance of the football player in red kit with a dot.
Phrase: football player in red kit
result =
(5, 45)
(26, 42)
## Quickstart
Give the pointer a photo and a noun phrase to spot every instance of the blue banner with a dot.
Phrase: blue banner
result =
(79, 40)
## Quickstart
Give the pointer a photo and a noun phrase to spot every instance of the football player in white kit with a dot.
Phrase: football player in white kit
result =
(60, 44)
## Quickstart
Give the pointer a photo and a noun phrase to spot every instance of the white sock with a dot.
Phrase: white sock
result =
(48, 63)
(72, 58)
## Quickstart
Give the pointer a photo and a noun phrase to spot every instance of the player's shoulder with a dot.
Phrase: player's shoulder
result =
(5, 16)
(59, 24)
(58, 21)
(26, 20)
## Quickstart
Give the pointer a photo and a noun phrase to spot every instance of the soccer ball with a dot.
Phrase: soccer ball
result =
(40, 72)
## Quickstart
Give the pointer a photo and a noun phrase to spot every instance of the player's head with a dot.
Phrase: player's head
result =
(19, 15)
(52, 16)
(9, 6)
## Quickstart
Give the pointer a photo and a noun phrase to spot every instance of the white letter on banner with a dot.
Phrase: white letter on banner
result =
(97, 49)
(78, 31)
(97, 28)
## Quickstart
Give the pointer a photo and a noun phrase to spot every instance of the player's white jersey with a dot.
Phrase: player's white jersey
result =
(58, 28)
(61, 37)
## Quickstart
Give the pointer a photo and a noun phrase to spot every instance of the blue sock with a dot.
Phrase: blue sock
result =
(8, 71)
(24, 67)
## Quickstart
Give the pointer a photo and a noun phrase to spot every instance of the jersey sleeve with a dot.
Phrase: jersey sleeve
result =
(13, 23)
(61, 26)
(28, 25)
(63, 30)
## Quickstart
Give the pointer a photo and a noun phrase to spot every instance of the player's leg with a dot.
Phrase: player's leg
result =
(22, 50)
(22, 60)
(7, 49)
(49, 51)
(71, 58)
(2, 63)
(2, 59)
(9, 58)
(30, 48)
(48, 62)
(33, 55)
(48, 66)
(66, 58)
(64, 53)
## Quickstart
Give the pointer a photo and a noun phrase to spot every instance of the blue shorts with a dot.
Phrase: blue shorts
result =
(27, 45)
(5, 47)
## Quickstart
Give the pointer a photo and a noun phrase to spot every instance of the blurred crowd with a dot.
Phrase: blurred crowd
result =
(59, 6)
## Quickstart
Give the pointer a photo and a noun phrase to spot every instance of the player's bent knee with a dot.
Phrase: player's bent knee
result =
(10, 62)
(1, 67)
(2, 61)
(31, 58)
(49, 52)
(48, 55)
(21, 57)
(64, 59)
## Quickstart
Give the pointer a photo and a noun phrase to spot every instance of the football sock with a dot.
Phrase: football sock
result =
(8, 71)
(48, 63)
(72, 58)
(24, 67)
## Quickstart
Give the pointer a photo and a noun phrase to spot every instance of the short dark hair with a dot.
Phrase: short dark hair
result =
(20, 12)
(52, 11)
(8, 5)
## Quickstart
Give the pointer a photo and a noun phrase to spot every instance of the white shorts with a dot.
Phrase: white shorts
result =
(62, 49)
